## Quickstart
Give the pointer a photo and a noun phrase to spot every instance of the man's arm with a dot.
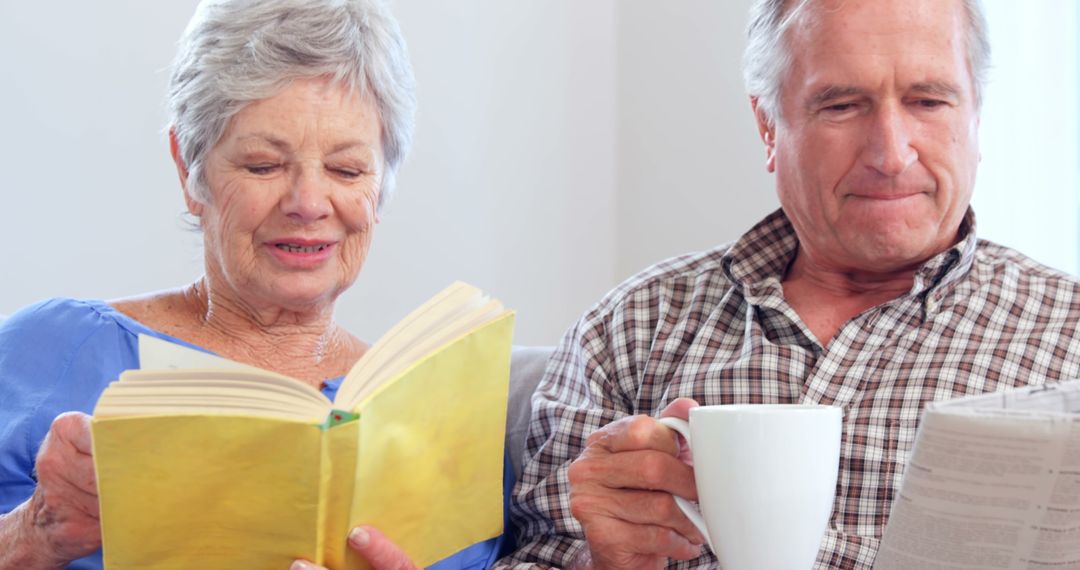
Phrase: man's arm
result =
(594, 472)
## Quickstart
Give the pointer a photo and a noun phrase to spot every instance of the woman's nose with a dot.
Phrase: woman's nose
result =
(308, 198)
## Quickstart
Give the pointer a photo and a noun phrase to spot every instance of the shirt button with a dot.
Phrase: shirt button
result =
(931, 304)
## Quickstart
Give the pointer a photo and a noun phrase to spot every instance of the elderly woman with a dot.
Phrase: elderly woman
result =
(289, 121)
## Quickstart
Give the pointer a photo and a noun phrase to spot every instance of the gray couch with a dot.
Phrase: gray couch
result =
(527, 365)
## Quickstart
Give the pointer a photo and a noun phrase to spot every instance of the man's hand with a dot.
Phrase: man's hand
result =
(59, 523)
(373, 545)
(621, 492)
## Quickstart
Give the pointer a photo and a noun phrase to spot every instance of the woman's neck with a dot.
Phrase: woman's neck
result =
(307, 346)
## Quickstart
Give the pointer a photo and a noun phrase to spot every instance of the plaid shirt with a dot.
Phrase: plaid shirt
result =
(714, 326)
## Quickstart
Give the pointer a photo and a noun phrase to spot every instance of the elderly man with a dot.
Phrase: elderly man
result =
(867, 290)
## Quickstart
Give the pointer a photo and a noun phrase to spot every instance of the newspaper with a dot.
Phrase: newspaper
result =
(993, 482)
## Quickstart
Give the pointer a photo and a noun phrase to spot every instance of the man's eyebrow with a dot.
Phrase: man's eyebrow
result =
(833, 92)
(937, 88)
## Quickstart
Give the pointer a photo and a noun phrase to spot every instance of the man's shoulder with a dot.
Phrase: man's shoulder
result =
(696, 274)
(1009, 267)
(1023, 290)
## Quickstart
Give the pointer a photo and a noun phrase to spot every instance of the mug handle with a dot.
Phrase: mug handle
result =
(689, 509)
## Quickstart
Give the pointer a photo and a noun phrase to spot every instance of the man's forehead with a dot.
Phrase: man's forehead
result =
(923, 40)
(899, 13)
(844, 18)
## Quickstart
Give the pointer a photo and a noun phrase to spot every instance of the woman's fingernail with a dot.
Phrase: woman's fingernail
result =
(301, 565)
(359, 537)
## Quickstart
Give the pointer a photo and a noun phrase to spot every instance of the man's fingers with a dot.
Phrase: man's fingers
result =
(638, 507)
(649, 540)
(634, 433)
(647, 470)
(679, 408)
(378, 550)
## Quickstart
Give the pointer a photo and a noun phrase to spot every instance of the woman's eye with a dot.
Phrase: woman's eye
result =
(347, 172)
(261, 168)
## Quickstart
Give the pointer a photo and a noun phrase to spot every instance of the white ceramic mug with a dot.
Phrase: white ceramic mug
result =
(766, 478)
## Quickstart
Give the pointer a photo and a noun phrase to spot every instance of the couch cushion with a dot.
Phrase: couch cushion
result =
(527, 365)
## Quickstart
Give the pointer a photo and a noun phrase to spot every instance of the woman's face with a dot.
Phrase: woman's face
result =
(293, 185)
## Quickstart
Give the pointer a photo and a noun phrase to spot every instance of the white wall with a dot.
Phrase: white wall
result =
(1028, 190)
(510, 185)
(90, 199)
(561, 146)
(691, 165)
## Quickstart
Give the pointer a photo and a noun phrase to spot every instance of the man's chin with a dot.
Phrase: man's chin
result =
(889, 255)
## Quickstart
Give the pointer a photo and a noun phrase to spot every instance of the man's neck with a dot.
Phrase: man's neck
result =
(826, 298)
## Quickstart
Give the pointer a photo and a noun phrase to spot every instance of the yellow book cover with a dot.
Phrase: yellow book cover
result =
(206, 463)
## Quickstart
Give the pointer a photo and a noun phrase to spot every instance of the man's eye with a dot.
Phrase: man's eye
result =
(840, 108)
(931, 103)
(261, 168)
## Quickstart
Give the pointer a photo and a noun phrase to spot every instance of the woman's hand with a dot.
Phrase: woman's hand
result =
(59, 523)
(374, 547)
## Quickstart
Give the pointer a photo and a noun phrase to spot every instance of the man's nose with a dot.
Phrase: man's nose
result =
(889, 149)
(308, 197)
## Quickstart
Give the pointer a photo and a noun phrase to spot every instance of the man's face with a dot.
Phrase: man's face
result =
(875, 148)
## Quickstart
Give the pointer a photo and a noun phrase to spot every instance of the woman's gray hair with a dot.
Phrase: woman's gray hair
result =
(234, 52)
(767, 57)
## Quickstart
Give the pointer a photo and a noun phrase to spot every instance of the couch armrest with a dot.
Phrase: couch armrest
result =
(527, 365)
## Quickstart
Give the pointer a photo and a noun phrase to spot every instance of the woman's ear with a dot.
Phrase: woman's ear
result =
(193, 205)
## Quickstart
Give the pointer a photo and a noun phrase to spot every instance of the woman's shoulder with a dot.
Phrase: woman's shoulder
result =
(57, 355)
(56, 318)
(60, 326)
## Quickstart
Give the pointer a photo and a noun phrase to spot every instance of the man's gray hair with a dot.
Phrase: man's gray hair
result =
(234, 52)
(767, 57)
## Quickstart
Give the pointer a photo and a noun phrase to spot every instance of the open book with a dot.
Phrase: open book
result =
(206, 463)
(993, 482)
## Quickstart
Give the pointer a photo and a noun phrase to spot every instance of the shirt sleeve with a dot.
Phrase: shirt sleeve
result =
(592, 381)
(55, 356)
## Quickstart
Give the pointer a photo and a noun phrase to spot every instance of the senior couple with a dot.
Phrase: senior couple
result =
(868, 289)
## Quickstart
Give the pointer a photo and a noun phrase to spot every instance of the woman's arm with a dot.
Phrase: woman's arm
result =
(59, 522)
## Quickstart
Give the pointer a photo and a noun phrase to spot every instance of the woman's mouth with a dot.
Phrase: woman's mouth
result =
(296, 248)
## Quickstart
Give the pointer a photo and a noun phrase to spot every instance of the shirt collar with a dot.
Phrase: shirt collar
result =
(757, 262)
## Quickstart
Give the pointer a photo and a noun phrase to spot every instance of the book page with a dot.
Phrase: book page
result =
(156, 353)
(175, 379)
(993, 482)
(452, 313)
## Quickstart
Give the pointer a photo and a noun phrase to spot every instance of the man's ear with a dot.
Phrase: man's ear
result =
(194, 206)
(767, 129)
